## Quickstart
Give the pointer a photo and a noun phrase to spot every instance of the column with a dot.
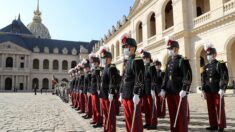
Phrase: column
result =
(3, 60)
(2, 82)
(25, 81)
(29, 83)
(13, 82)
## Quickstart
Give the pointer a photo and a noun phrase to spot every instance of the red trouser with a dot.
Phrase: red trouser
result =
(161, 113)
(88, 105)
(112, 115)
(96, 109)
(148, 108)
(182, 121)
(77, 101)
(72, 98)
(82, 102)
(128, 112)
(213, 105)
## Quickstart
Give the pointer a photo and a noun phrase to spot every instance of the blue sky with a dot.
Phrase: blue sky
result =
(77, 20)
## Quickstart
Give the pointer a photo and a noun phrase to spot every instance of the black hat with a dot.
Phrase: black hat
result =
(172, 44)
(157, 63)
(93, 58)
(105, 53)
(128, 41)
(145, 54)
(209, 49)
(86, 63)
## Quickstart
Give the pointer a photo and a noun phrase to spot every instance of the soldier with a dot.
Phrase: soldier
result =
(147, 98)
(77, 87)
(81, 89)
(108, 91)
(157, 76)
(214, 82)
(159, 107)
(95, 77)
(86, 88)
(76, 77)
(133, 86)
(71, 74)
(175, 86)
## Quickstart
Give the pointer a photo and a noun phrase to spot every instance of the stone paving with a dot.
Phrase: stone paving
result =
(25, 112)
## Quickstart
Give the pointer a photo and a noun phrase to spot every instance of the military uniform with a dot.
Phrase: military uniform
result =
(86, 91)
(178, 77)
(109, 86)
(82, 94)
(215, 78)
(133, 83)
(95, 75)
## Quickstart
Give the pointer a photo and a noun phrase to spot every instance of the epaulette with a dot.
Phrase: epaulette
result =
(138, 58)
(222, 61)
(112, 65)
(152, 64)
(202, 69)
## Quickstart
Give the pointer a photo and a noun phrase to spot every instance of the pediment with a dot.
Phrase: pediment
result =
(12, 47)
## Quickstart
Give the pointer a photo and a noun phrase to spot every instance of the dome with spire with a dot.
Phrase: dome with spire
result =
(36, 27)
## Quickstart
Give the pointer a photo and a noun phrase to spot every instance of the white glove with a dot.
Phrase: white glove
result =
(153, 93)
(120, 97)
(221, 93)
(80, 91)
(88, 94)
(163, 93)
(98, 91)
(110, 97)
(182, 93)
(136, 99)
(203, 95)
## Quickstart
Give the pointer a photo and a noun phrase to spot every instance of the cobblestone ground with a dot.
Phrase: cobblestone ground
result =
(25, 112)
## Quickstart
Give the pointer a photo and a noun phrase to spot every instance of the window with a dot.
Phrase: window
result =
(45, 83)
(152, 25)
(21, 65)
(202, 6)
(46, 64)
(73, 64)
(9, 62)
(139, 33)
(117, 49)
(35, 64)
(35, 83)
(65, 65)
(169, 20)
(55, 65)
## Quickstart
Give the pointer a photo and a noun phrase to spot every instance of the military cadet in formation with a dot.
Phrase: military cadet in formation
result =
(95, 83)
(157, 76)
(81, 91)
(175, 87)
(147, 101)
(86, 88)
(72, 86)
(133, 86)
(214, 82)
(108, 90)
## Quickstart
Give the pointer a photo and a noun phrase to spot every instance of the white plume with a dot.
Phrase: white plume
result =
(208, 45)
(92, 55)
(140, 50)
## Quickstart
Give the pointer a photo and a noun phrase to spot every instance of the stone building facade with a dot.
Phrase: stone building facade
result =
(191, 22)
(29, 57)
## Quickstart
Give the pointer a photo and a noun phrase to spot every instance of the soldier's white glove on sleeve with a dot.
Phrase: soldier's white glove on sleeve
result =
(163, 93)
(182, 93)
(110, 97)
(98, 91)
(221, 93)
(120, 97)
(80, 91)
(153, 93)
(136, 99)
(88, 94)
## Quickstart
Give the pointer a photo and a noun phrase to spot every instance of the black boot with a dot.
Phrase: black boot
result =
(212, 128)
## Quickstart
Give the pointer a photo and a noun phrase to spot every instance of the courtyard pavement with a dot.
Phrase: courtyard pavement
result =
(26, 112)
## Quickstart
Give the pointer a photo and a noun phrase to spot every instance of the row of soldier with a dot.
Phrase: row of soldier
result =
(98, 89)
